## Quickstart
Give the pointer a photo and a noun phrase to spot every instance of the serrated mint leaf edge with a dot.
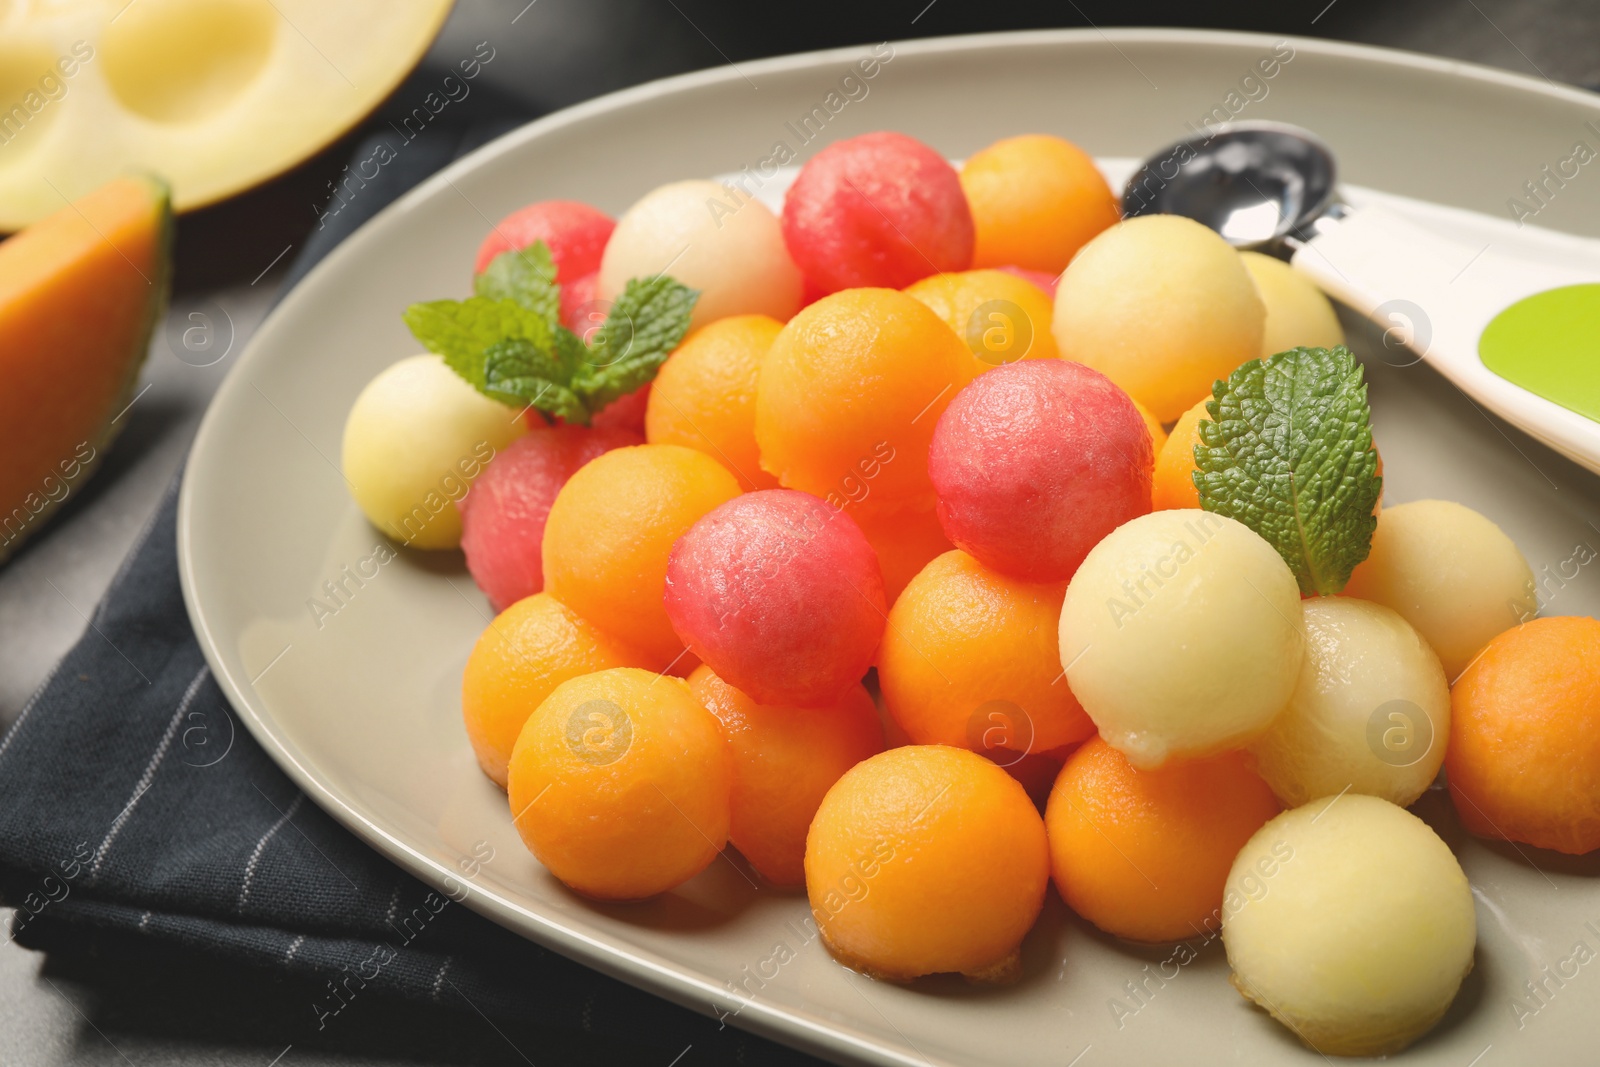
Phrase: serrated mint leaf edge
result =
(454, 330)
(1316, 571)
(651, 315)
(526, 276)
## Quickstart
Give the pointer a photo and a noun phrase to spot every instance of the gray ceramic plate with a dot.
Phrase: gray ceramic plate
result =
(363, 710)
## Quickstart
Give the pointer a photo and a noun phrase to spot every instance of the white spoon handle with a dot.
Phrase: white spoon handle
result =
(1436, 295)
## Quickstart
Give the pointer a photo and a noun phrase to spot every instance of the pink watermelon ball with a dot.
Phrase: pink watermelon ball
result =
(575, 233)
(780, 594)
(1043, 279)
(580, 311)
(810, 293)
(1034, 462)
(881, 209)
(502, 515)
(624, 413)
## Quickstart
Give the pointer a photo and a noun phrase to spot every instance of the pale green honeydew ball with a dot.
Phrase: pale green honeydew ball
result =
(1370, 712)
(1162, 306)
(1181, 636)
(720, 242)
(1351, 922)
(1451, 573)
(414, 440)
(1298, 315)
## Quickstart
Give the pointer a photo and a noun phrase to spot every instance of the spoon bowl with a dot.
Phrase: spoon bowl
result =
(1258, 184)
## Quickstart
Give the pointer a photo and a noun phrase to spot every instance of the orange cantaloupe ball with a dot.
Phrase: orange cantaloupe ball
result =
(1145, 854)
(1035, 200)
(620, 784)
(1524, 756)
(1002, 318)
(704, 396)
(924, 860)
(529, 649)
(611, 529)
(784, 761)
(1163, 307)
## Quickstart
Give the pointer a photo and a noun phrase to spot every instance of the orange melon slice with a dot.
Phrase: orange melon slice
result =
(217, 95)
(80, 294)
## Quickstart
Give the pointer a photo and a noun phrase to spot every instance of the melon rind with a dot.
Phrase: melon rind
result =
(37, 503)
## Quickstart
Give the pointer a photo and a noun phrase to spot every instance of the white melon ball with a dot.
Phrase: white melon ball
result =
(693, 231)
(1449, 572)
(1180, 636)
(1351, 922)
(1163, 307)
(1298, 314)
(1370, 713)
(414, 440)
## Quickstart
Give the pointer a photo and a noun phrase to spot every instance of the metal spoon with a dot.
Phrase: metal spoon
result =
(1259, 184)
(1515, 324)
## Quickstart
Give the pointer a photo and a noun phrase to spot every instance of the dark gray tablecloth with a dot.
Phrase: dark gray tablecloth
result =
(140, 825)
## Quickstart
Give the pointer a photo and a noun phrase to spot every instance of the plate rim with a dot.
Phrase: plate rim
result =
(638, 967)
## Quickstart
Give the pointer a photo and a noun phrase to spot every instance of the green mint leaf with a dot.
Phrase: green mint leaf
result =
(527, 277)
(569, 348)
(462, 332)
(642, 328)
(519, 372)
(1288, 452)
(508, 343)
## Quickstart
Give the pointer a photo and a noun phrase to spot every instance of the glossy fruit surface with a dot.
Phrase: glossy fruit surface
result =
(1173, 484)
(1035, 200)
(733, 254)
(780, 594)
(1163, 307)
(414, 441)
(704, 396)
(1001, 317)
(1351, 923)
(529, 649)
(1370, 712)
(619, 783)
(850, 392)
(1035, 462)
(1450, 572)
(1145, 854)
(970, 659)
(926, 859)
(880, 209)
(503, 514)
(906, 538)
(785, 759)
(611, 529)
(1181, 636)
(1298, 314)
(1524, 756)
(574, 232)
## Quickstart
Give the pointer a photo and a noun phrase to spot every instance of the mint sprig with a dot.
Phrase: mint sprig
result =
(1288, 452)
(508, 342)
(462, 331)
(649, 318)
(527, 277)
(531, 375)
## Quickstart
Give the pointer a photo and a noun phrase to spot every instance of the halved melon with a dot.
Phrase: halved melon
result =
(80, 294)
(218, 95)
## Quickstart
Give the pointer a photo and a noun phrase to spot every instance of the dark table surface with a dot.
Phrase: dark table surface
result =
(230, 261)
